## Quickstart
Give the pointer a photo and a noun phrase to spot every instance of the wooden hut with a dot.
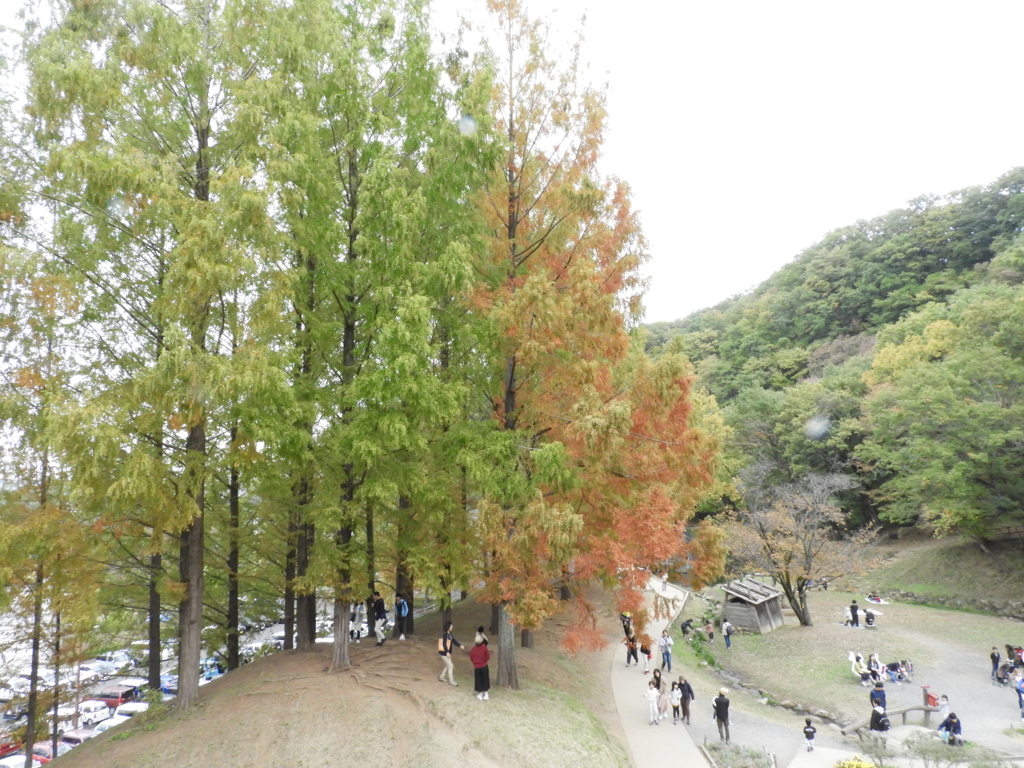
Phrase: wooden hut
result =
(752, 606)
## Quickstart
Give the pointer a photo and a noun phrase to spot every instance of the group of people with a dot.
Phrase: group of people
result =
(853, 612)
(660, 696)
(380, 617)
(874, 671)
(950, 728)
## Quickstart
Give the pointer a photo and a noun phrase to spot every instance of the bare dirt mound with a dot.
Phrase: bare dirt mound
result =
(389, 708)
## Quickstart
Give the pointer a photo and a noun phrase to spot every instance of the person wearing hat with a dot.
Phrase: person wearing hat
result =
(721, 709)
(480, 655)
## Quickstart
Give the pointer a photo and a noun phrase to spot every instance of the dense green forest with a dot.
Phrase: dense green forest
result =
(890, 353)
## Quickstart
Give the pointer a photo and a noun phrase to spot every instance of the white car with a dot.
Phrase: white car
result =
(91, 712)
(112, 722)
(17, 761)
(131, 708)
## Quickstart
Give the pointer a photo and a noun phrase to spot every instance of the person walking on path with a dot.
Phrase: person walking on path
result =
(652, 702)
(630, 642)
(480, 655)
(401, 615)
(656, 679)
(444, 650)
(727, 630)
(854, 620)
(686, 696)
(709, 630)
(809, 731)
(663, 702)
(646, 653)
(665, 644)
(380, 617)
(675, 697)
(995, 658)
(721, 709)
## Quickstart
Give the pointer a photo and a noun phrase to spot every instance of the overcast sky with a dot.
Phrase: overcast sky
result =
(748, 130)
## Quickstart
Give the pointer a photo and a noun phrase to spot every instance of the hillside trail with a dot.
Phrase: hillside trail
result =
(985, 709)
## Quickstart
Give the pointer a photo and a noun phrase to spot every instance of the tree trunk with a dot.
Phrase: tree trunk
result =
(508, 674)
(289, 584)
(342, 599)
(803, 615)
(153, 666)
(526, 638)
(403, 581)
(190, 632)
(234, 524)
(305, 601)
(37, 639)
(54, 738)
(495, 618)
(192, 551)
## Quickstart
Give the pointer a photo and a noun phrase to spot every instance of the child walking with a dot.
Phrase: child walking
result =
(809, 731)
(676, 697)
(652, 702)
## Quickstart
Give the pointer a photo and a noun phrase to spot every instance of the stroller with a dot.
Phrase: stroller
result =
(1003, 672)
(900, 671)
(1015, 655)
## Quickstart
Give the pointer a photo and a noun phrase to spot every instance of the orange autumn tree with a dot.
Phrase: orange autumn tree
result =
(597, 463)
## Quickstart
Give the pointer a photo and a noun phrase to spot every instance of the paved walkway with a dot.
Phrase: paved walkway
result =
(987, 711)
(653, 746)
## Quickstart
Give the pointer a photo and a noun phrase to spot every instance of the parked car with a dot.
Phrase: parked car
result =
(18, 761)
(116, 695)
(131, 709)
(119, 659)
(16, 709)
(111, 722)
(78, 736)
(44, 750)
(8, 744)
(92, 711)
(169, 684)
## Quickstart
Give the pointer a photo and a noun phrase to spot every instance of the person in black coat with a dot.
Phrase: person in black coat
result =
(721, 708)
(688, 696)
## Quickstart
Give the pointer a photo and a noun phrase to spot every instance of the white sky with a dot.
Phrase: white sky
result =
(748, 129)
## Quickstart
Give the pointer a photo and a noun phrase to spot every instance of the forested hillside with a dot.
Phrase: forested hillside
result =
(890, 353)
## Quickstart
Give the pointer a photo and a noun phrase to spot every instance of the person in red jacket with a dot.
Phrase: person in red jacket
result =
(480, 655)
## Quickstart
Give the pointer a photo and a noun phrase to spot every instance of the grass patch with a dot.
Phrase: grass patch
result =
(733, 756)
(924, 568)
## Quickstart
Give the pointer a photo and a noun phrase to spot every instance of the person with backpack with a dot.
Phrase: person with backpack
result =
(380, 617)
(879, 721)
(727, 630)
(401, 614)
(444, 649)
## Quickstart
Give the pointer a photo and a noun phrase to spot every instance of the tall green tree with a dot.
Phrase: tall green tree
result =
(158, 215)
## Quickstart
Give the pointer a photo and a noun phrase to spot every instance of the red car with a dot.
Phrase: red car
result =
(8, 745)
(117, 695)
(43, 751)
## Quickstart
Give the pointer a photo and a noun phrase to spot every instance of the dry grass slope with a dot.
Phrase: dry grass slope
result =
(389, 709)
